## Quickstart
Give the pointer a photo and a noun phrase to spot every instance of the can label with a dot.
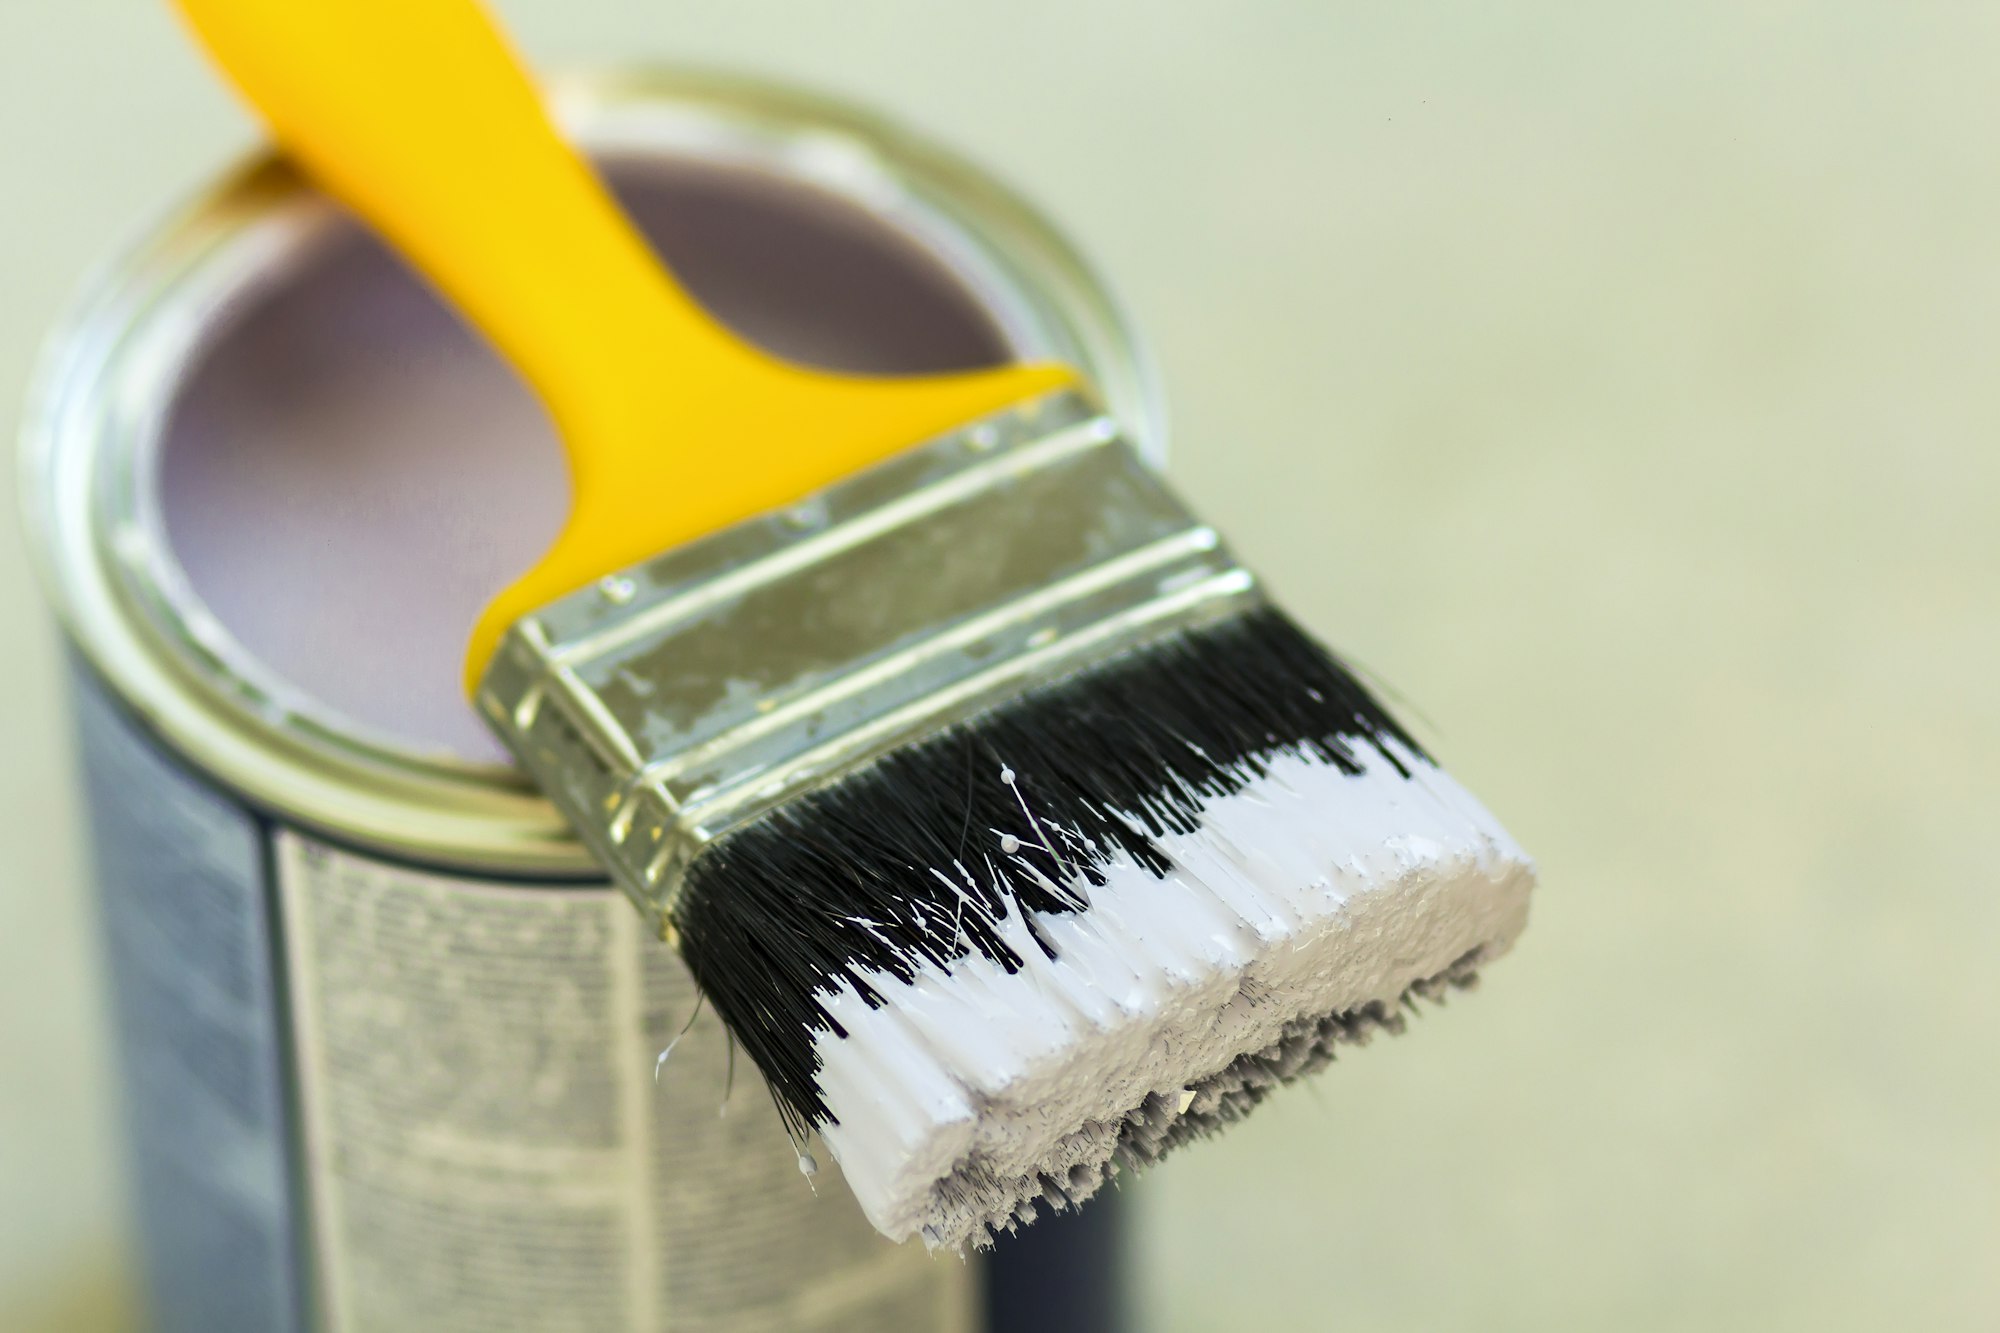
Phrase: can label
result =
(189, 942)
(458, 1073)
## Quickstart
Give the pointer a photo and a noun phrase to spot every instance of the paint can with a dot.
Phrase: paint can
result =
(390, 1045)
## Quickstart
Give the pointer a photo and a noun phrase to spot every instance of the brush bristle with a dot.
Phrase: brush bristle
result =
(1093, 922)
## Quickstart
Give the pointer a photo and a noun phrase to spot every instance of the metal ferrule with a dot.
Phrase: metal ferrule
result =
(672, 702)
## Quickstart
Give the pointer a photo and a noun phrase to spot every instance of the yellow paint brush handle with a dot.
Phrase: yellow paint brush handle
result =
(416, 114)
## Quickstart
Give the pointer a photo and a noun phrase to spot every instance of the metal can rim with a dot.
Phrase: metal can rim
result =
(178, 670)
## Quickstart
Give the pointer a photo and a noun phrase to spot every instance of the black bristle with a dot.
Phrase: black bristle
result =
(891, 865)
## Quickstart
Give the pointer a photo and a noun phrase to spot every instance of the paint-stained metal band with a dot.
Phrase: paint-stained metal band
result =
(676, 700)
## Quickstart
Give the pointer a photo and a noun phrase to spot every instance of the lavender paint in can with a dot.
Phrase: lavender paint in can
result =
(388, 1039)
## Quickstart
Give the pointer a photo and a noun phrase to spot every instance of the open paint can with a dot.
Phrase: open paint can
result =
(390, 1044)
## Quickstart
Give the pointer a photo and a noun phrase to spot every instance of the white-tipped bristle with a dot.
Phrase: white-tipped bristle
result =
(1301, 911)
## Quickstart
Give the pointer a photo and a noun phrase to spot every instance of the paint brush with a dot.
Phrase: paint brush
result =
(1007, 824)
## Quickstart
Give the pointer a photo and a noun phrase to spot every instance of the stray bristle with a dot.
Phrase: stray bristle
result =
(949, 963)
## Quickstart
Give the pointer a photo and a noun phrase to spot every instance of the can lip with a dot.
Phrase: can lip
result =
(105, 373)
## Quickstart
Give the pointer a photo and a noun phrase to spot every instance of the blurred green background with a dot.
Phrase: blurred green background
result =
(1618, 382)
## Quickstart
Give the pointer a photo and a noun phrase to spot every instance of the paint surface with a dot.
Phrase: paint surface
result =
(348, 474)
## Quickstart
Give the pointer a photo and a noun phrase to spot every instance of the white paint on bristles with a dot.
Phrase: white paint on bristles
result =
(971, 1096)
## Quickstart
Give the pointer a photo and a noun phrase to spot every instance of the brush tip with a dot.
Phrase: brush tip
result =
(1095, 923)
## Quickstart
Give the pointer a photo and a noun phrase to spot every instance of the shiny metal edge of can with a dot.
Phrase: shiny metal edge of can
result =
(106, 375)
